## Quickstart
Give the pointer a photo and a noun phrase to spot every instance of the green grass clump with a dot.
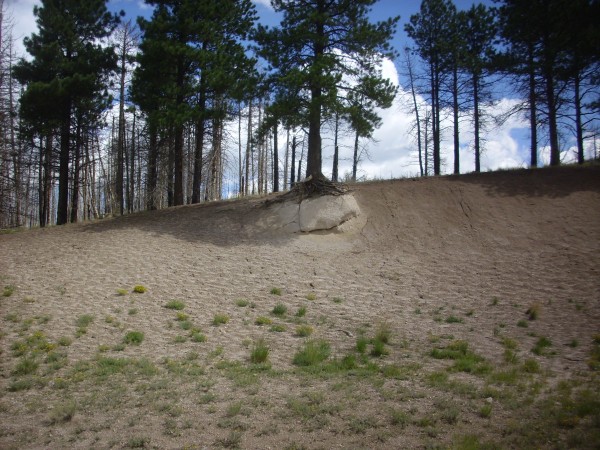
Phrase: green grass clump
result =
(311, 296)
(181, 317)
(383, 333)
(259, 352)
(26, 366)
(198, 337)
(279, 310)
(361, 344)
(464, 359)
(378, 348)
(133, 338)
(84, 320)
(262, 320)
(122, 292)
(453, 319)
(522, 323)
(304, 330)
(301, 311)
(337, 300)
(278, 328)
(220, 319)
(175, 304)
(8, 291)
(63, 412)
(541, 345)
(242, 302)
(139, 289)
(313, 352)
(276, 291)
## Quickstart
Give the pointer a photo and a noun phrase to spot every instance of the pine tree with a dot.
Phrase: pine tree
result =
(68, 73)
(322, 53)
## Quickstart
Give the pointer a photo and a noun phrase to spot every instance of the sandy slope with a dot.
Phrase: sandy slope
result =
(430, 248)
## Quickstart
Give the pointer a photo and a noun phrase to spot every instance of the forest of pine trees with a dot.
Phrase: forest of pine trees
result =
(109, 115)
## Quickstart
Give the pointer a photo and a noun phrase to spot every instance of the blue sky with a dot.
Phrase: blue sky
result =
(393, 153)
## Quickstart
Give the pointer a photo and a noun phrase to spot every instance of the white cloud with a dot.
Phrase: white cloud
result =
(265, 3)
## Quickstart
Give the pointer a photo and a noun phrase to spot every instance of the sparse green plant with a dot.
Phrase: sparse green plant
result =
(573, 343)
(337, 300)
(530, 366)
(486, 411)
(122, 292)
(301, 311)
(304, 330)
(242, 302)
(470, 313)
(495, 301)
(522, 323)
(133, 338)
(175, 304)
(138, 442)
(541, 345)
(12, 317)
(186, 325)
(278, 328)
(276, 291)
(311, 296)
(198, 337)
(26, 366)
(132, 311)
(179, 339)
(220, 319)
(383, 333)
(262, 320)
(378, 348)
(84, 321)
(361, 344)
(63, 412)
(8, 290)
(279, 310)
(533, 313)
(103, 348)
(259, 352)
(399, 418)
(453, 319)
(181, 317)
(139, 289)
(64, 341)
(313, 352)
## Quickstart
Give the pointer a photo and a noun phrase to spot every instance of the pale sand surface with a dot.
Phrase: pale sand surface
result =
(483, 248)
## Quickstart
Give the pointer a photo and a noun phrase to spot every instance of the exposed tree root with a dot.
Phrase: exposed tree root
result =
(311, 187)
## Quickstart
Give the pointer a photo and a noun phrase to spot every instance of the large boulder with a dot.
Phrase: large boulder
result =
(327, 212)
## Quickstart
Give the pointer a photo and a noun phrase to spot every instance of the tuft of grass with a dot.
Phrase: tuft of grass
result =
(301, 311)
(122, 292)
(453, 319)
(304, 330)
(241, 302)
(8, 290)
(533, 313)
(65, 341)
(175, 304)
(259, 352)
(313, 352)
(495, 301)
(337, 300)
(276, 291)
(133, 338)
(198, 337)
(279, 310)
(383, 333)
(26, 366)
(262, 320)
(139, 289)
(278, 328)
(522, 323)
(84, 321)
(63, 412)
(485, 411)
(399, 418)
(181, 317)
(541, 345)
(361, 344)
(132, 311)
(220, 319)
(311, 296)
(378, 348)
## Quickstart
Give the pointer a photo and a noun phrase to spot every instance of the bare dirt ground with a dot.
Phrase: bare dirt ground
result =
(464, 313)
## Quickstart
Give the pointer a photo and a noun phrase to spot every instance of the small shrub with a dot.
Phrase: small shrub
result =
(485, 411)
(26, 366)
(383, 333)
(304, 330)
(263, 321)
(453, 319)
(301, 311)
(220, 319)
(139, 289)
(399, 418)
(62, 412)
(522, 323)
(122, 292)
(186, 325)
(311, 296)
(65, 341)
(279, 310)
(259, 352)
(175, 304)
(574, 343)
(276, 291)
(242, 302)
(278, 328)
(133, 338)
(179, 339)
(337, 300)
(132, 311)
(314, 352)
(181, 316)
(530, 366)
(84, 320)
(494, 301)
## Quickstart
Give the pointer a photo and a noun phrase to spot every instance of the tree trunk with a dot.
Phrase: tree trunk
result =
(533, 108)
(248, 148)
(355, 157)
(285, 165)
(76, 161)
(416, 106)
(476, 120)
(293, 168)
(336, 150)
(200, 130)
(275, 160)
(152, 166)
(578, 123)
(455, 107)
(62, 213)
